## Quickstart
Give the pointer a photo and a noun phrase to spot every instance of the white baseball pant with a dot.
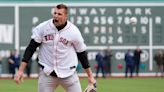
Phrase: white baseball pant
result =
(49, 83)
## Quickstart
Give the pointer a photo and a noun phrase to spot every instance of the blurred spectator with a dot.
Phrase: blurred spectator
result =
(0, 65)
(107, 58)
(79, 68)
(100, 63)
(14, 61)
(158, 57)
(28, 68)
(10, 61)
(163, 64)
(137, 57)
(129, 60)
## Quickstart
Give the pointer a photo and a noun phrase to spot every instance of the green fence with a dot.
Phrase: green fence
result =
(102, 25)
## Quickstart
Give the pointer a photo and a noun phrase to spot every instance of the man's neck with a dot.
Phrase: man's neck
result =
(61, 26)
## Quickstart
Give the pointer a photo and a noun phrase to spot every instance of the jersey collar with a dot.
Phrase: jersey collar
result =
(54, 27)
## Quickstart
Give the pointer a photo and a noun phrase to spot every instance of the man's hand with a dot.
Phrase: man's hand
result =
(92, 82)
(91, 79)
(19, 77)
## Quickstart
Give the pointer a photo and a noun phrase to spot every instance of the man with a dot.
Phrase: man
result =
(60, 46)
(100, 63)
(14, 61)
(158, 57)
(107, 58)
(0, 65)
(129, 63)
(28, 68)
(137, 57)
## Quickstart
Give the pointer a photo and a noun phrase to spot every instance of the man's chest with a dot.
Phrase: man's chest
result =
(60, 39)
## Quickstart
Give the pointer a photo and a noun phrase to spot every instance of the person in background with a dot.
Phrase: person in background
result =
(163, 64)
(158, 58)
(100, 63)
(129, 61)
(0, 65)
(107, 58)
(14, 61)
(11, 63)
(28, 68)
(137, 57)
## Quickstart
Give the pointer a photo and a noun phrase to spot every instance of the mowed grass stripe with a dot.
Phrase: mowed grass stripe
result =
(104, 85)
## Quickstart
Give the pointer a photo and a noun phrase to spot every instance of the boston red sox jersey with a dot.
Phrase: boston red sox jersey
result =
(58, 48)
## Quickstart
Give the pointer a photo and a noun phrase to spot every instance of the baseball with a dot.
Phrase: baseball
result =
(133, 20)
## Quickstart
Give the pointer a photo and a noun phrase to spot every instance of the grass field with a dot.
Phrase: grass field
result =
(104, 85)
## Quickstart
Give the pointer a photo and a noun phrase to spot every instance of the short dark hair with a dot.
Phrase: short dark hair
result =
(62, 6)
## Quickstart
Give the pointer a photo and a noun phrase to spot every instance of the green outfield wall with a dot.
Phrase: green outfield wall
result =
(102, 25)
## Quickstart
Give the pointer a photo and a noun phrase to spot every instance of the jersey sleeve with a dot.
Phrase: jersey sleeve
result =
(36, 35)
(78, 43)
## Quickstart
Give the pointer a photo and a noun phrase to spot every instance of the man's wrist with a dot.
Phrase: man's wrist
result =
(89, 72)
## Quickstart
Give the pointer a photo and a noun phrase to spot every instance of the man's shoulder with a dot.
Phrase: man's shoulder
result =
(72, 26)
(44, 24)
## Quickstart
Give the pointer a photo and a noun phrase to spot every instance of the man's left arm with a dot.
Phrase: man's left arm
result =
(83, 58)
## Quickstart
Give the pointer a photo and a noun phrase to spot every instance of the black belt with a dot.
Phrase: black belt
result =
(52, 73)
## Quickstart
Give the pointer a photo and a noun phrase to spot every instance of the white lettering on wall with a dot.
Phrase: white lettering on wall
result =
(6, 33)
(135, 11)
(83, 11)
(72, 11)
(158, 20)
